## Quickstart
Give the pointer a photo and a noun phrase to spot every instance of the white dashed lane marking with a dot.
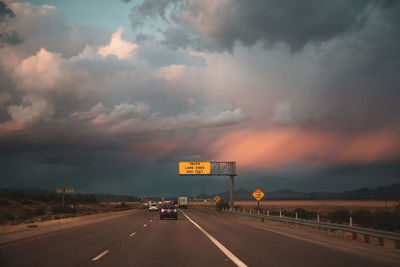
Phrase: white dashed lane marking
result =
(100, 255)
(134, 233)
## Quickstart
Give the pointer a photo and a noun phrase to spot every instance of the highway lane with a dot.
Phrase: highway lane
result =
(258, 247)
(166, 242)
(141, 239)
(74, 246)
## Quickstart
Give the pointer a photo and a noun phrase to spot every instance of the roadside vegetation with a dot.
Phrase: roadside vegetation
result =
(18, 207)
(382, 218)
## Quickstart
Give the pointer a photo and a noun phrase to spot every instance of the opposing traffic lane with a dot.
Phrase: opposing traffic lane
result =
(258, 247)
(73, 246)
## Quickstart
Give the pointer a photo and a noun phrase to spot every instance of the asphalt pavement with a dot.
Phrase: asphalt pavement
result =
(197, 238)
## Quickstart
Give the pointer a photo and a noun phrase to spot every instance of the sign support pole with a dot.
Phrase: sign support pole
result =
(63, 196)
(232, 189)
(258, 204)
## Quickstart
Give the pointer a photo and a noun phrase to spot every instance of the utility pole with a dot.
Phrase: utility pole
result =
(232, 190)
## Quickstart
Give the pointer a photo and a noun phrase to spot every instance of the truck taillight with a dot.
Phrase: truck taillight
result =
(162, 210)
(174, 210)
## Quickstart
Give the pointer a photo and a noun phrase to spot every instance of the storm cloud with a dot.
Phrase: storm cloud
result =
(7, 36)
(288, 90)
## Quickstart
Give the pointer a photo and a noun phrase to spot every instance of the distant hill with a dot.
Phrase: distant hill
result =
(389, 192)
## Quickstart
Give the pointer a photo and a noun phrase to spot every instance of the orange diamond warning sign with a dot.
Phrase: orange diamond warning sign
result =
(258, 194)
(216, 199)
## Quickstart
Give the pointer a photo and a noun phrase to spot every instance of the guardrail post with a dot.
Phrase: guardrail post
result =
(380, 241)
(351, 221)
(244, 210)
(267, 212)
(258, 212)
(343, 234)
(335, 233)
(366, 238)
(354, 235)
(317, 217)
(250, 211)
(280, 214)
(297, 216)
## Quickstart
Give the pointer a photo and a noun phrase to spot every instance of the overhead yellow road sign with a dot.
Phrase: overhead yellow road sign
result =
(194, 167)
(258, 194)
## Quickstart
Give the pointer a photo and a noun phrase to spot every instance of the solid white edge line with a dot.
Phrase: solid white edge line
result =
(144, 225)
(134, 233)
(229, 254)
(100, 255)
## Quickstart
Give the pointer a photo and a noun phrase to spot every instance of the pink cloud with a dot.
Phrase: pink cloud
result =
(277, 147)
(118, 47)
(39, 72)
(171, 73)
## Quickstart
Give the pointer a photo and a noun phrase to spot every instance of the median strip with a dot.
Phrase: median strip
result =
(229, 254)
(100, 255)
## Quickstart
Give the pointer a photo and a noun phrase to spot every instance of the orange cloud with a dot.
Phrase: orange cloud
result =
(277, 147)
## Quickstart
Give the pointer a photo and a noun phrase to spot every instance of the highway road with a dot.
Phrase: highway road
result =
(197, 238)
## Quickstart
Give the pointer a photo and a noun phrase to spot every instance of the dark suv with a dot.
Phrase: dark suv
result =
(168, 211)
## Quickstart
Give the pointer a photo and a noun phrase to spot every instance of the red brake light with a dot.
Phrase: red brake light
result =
(162, 210)
(174, 210)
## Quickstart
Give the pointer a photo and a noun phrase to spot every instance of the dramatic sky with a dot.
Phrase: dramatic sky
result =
(108, 96)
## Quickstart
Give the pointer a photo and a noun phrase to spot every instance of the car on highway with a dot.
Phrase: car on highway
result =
(153, 207)
(168, 211)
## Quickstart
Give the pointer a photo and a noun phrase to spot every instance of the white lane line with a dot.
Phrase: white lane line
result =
(134, 233)
(229, 254)
(151, 220)
(144, 225)
(100, 255)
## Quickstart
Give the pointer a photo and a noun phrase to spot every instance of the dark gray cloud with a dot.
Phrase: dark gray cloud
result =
(8, 36)
(219, 25)
(5, 12)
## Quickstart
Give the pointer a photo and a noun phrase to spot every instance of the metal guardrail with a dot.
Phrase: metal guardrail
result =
(323, 226)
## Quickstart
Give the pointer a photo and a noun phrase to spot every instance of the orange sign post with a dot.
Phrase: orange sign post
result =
(258, 195)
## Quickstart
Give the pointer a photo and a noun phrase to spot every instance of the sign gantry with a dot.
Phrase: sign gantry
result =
(210, 168)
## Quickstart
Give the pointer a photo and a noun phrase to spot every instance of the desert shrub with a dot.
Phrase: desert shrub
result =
(300, 212)
(339, 216)
(363, 218)
(222, 204)
(387, 221)
(4, 217)
(86, 198)
(59, 209)
(25, 214)
(25, 201)
(46, 197)
(4, 202)
(274, 213)
(40, 212)
(12, 194)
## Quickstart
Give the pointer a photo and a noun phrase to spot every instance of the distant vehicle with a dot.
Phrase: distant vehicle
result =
(153, 207)
(168, 211)
(182, 202)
